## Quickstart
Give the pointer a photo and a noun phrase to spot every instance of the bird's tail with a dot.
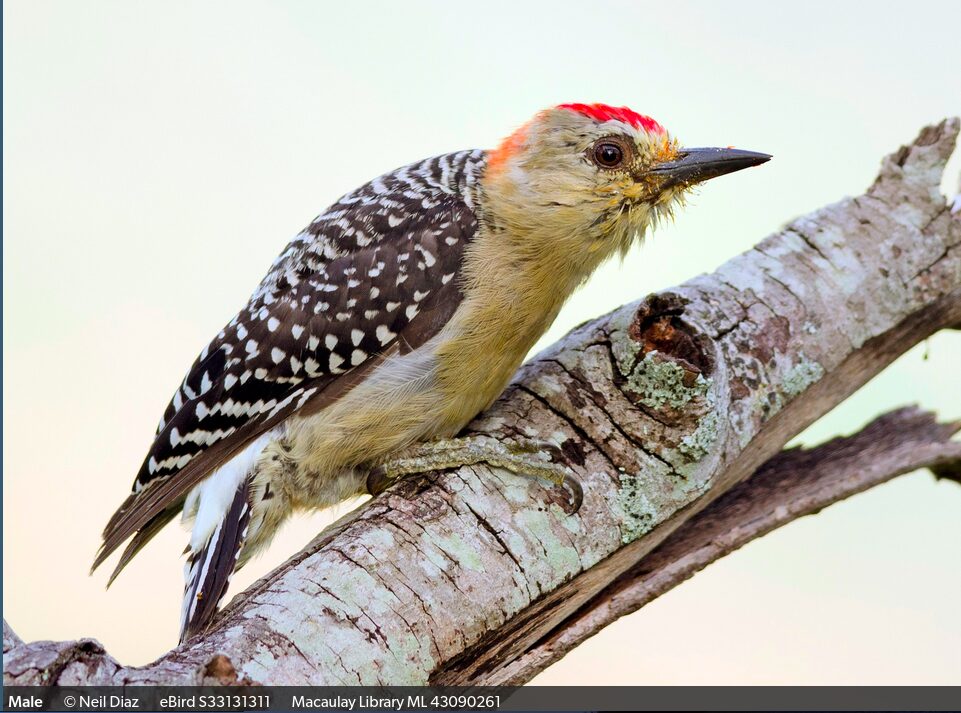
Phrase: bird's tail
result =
(209, 567)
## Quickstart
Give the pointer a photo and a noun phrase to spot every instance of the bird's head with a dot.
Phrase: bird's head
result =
(595, 177)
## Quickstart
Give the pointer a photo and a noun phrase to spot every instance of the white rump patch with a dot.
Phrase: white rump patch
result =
(211, 498)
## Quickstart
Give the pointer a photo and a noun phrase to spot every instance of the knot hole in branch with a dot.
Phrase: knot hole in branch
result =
(671, 373)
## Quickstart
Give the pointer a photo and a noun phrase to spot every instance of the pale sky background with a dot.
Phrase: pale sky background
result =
(157, 156)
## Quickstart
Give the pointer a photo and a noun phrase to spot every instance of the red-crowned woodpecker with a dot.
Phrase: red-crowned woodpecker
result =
(385, 326)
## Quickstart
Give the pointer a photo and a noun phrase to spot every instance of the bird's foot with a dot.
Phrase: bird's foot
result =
(523, 457)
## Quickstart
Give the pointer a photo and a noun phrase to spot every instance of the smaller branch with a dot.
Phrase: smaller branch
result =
(794, 483)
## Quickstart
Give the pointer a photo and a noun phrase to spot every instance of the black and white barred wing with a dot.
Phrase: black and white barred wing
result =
(375, 273)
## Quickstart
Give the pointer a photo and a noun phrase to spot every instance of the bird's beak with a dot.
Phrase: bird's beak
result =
(696, 165)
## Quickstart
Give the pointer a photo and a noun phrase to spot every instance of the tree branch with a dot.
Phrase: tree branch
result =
(476, 575)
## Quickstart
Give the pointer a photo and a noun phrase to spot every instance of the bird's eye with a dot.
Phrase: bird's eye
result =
(608, 154)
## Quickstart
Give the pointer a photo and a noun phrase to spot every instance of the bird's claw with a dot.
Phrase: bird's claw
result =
(576, 492)
(377, 481)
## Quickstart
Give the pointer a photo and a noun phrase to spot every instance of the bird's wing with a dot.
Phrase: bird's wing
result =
(375, 274)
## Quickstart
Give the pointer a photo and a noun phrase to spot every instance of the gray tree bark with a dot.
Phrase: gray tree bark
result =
(663, 409)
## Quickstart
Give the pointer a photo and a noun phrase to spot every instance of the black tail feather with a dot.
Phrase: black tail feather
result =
(209, 571)
(142, 537)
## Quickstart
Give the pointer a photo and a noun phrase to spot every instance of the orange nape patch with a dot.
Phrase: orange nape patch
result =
(497, 159)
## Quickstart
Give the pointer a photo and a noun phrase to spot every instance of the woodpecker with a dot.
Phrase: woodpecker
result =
(388, 323)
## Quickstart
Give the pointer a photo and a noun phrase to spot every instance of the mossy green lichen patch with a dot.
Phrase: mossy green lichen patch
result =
(692, 449)
(659, 382)
(638, 513)
(801, 376)
(696, 445)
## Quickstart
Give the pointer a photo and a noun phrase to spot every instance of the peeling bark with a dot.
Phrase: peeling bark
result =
(662, 408)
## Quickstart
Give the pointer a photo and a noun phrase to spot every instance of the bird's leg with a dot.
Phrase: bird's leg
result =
(524, 457)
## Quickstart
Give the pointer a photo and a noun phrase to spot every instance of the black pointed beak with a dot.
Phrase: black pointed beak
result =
(696, 165)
